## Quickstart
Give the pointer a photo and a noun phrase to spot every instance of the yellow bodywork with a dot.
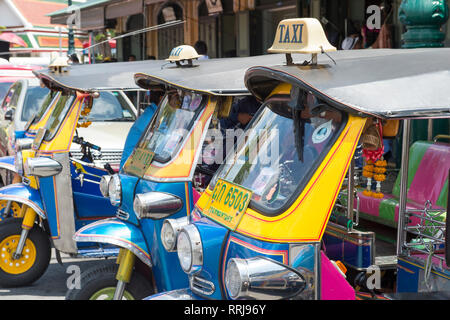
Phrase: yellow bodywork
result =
(182, 165)
(305, 220)
(62, 140)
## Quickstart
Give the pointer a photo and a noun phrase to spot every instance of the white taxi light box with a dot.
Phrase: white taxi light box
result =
(183, 52)
(303, 35)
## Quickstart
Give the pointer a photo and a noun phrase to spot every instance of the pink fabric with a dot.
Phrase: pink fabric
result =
(370, 205)
(411, 206)
(195, 195)
(333, 285)
(431, 174)
(436, 261)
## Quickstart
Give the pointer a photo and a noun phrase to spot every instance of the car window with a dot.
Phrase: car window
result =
(111, 106)
(12, 97)
(34, 98)
(4, 87)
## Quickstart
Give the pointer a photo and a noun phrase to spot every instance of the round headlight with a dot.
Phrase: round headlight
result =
(236, 277)
(104, 185)
(115, 190)
(170, 230)
(190, 251)
(18, 163)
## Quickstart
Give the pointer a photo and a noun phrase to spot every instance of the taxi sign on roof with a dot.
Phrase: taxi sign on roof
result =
(300, 35)
(183, 52)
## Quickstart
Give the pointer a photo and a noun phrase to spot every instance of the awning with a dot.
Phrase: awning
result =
(12, 38)
(45, 39)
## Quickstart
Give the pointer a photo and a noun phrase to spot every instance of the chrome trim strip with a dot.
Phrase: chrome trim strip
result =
(114, 241)
(27, 202)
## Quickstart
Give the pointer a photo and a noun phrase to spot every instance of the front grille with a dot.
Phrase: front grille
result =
(201, 286)
(110, 157)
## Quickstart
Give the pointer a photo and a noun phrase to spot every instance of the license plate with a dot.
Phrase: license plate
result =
(228, 203)
(139, 161)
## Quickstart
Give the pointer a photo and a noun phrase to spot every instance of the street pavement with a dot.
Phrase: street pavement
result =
(53, 284)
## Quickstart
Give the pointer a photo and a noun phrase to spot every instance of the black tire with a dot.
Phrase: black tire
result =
(41, 242)
(103, 277)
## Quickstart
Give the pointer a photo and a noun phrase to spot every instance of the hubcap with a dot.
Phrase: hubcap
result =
(16, 266)
(15, 209)
(108, 294)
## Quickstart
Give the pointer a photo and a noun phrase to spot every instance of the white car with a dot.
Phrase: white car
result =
(112, 116)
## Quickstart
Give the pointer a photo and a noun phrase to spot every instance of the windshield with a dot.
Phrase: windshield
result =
(278, 155)
(34, 99)
(57, 116)
(4, 87)
(51, 95)
(173, 122)
(110, 106)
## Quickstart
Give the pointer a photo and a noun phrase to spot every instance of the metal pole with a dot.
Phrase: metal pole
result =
(60, 42)
(430, 129)
(401, 230)
(71, 45)
(350, 190)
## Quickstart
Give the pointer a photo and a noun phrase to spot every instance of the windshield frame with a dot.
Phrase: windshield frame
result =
(151, 127)
(42, 111)
(254, 205)
(72, 99)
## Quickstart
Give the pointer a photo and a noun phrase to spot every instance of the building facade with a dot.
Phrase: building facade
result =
(232, 27)
(28, 20)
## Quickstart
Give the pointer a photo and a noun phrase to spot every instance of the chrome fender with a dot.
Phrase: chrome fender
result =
(7, 163)
(118, 233)
(21, 193)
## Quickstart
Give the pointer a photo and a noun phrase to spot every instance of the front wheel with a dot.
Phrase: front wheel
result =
(34, 259)
(99, 283)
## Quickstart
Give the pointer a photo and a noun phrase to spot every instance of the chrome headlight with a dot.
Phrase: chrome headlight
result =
(18, 163)
(41, 167)
(261, 278)
(104, 185)
(23, 144)
(156, 205)
(189, 249)
(170, 230)
(115, 190)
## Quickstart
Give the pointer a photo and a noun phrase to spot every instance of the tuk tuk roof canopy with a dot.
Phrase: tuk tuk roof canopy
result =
(97, 77)
(222, 77)
(386, 83)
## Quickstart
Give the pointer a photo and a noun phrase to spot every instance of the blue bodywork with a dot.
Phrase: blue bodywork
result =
(89, 203)
(7, 163)
(22, 193)
(142, 236)
(219, 246)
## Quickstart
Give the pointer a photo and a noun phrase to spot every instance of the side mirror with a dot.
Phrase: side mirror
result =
(9, 115)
